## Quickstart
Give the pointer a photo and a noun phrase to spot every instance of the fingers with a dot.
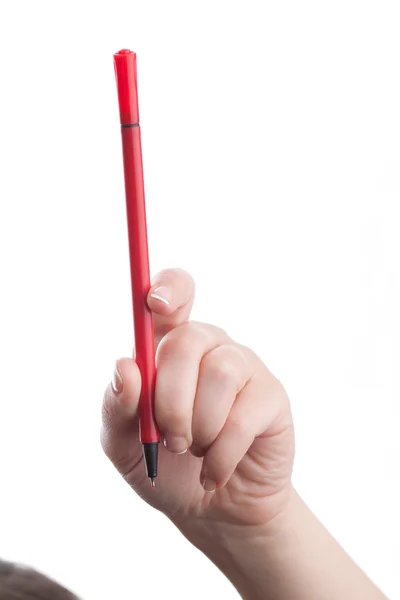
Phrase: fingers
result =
(213, 396)
(178, 361)
(170, 298)
(223, 373)
(253, 413)
(119, 431)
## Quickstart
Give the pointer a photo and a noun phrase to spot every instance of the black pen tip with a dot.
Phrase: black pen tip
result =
(153, 483)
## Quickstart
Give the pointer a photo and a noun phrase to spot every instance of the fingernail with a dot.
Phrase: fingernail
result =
(209, 485)
(117, 382)
(162, 293)
(176, 444)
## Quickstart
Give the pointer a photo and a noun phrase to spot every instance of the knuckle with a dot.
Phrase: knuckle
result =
(196, 329)
(224, 364)
(206, 331)
(217, 331)
(275, 389)
(181, 341)
(221, 331)
(222, 370)
(249, 355)
(172, 345)
(240, 427)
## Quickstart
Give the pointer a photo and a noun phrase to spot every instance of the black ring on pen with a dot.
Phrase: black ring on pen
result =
(132, 125)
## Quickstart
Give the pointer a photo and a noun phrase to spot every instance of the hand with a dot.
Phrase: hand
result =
(224, 418)
(217, 400)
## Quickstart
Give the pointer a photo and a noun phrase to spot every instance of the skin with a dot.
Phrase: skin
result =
(225, 469)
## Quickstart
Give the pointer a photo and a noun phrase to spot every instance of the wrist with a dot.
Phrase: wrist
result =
(292, 556)
(242, 552)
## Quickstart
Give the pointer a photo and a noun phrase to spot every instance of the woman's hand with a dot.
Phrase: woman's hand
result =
(224, 418)
(230, 493)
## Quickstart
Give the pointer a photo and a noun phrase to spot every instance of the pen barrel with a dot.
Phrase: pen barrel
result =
(140, 279)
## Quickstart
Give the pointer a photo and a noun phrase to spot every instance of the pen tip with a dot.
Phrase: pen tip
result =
(153, 483)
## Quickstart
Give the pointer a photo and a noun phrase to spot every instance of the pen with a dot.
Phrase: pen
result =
(125, 73)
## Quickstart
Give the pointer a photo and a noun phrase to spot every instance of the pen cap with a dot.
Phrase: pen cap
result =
(125, 73)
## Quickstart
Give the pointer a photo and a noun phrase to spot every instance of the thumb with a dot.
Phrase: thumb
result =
(170, 299)
(119, 430)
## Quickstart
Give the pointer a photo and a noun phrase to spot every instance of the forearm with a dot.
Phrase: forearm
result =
(294, 558)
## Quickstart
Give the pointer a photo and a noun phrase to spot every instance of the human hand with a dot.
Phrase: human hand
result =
(215, 398)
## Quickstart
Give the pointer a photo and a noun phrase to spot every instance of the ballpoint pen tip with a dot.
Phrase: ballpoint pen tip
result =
(153, 483)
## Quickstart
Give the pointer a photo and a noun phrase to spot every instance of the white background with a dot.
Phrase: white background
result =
(272, 165)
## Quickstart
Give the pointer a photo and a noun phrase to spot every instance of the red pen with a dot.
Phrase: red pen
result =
(125, 72)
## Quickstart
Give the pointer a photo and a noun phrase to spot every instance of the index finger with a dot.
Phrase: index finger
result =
(170, 299)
